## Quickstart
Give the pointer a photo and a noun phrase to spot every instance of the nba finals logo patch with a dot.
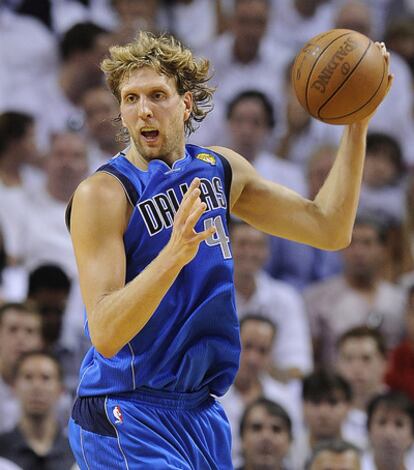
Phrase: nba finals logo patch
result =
(118, 415)
(206, 157)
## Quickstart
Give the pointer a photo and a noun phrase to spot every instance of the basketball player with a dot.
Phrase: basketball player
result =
(150, 235)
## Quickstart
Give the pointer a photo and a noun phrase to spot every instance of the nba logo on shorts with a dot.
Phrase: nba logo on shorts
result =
(118, 415)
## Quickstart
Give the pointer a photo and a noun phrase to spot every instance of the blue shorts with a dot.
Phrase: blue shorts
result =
(153, 430)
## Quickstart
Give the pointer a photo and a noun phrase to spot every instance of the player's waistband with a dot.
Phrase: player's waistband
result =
(168, 399)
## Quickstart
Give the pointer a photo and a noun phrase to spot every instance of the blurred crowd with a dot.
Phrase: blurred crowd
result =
(327, 366)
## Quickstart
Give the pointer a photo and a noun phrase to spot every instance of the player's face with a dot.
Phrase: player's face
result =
(154, 114)
(390, 433)
(328, 460)
(265, 441)
(360, 362)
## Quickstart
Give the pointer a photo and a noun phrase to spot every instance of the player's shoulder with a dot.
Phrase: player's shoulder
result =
(100, 186)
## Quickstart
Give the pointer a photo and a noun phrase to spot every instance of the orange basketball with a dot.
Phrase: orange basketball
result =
(340, 76)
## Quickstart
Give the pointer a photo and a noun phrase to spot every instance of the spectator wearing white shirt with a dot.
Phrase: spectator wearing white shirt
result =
(257, 292)
(359, 296)
(298, 136)
(294, 22)
(382, 190)
(240, 61)
(29, 58)
(196, 34)
(252, 381)
(394, 116)
(40, 235)
(391, 433)
(250, 122)
(101, 125)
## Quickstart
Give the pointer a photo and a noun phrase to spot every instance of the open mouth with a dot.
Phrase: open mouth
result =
(150, 135)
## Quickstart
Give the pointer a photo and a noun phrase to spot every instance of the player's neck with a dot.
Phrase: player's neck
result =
(137, 159)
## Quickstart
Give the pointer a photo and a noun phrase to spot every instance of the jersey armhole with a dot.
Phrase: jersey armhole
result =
(131, 193)
(228, 177)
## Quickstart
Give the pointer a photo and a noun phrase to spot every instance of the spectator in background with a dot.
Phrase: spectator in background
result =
(394, 116)
(326, 401)
(382, 191)
(40, 235)
(406, 267)
(241, 62)
(134, 16)
(294, 22)
(19, 155)
(19, 177)
(250, 121)
(391, 433)
(266, 436)
(299, 264)
(29, 58)
(37, 442)
(400, 372)
(20, 332)
(399, 37)
(101, 109)
(298, 135)
(357, 297)
(81, 49)
(257, 292)
(195, 34)
(334, 455)
(252, 381)
(49, 288)
(361, 360)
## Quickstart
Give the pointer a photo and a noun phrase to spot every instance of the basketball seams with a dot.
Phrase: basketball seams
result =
(364, 104)
(343, 83)
(314, 65)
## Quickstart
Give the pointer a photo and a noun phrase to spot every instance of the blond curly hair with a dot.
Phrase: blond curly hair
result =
(166, 55)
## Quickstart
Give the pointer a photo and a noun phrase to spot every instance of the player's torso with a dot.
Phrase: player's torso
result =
(192, 339)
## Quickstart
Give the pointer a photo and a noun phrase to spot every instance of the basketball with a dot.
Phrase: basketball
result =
(340, 76)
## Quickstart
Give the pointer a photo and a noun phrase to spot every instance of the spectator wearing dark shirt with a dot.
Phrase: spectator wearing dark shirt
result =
(37, 442)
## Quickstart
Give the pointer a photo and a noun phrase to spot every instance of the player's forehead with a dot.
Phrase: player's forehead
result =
(146, 78)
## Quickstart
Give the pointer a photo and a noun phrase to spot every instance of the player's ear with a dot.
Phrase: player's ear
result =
(188, 104)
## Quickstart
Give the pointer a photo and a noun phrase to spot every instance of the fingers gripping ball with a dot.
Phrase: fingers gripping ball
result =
(340, 76)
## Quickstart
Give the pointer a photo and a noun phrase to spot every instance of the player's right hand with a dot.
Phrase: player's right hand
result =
(185, 241)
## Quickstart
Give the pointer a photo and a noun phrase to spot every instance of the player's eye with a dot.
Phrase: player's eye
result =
(130, 98)
(158, 95)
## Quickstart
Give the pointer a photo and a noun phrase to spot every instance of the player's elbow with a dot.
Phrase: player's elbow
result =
(338, 241)
(103, 344)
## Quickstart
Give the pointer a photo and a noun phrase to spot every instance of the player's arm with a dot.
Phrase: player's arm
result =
(117, 311)
(327, 221)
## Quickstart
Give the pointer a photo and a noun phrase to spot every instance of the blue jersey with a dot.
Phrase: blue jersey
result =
(192, 339)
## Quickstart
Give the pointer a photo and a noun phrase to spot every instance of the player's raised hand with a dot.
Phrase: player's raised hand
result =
(185, 241)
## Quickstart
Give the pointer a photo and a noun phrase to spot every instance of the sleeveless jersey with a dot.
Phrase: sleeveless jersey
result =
(192, 339)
